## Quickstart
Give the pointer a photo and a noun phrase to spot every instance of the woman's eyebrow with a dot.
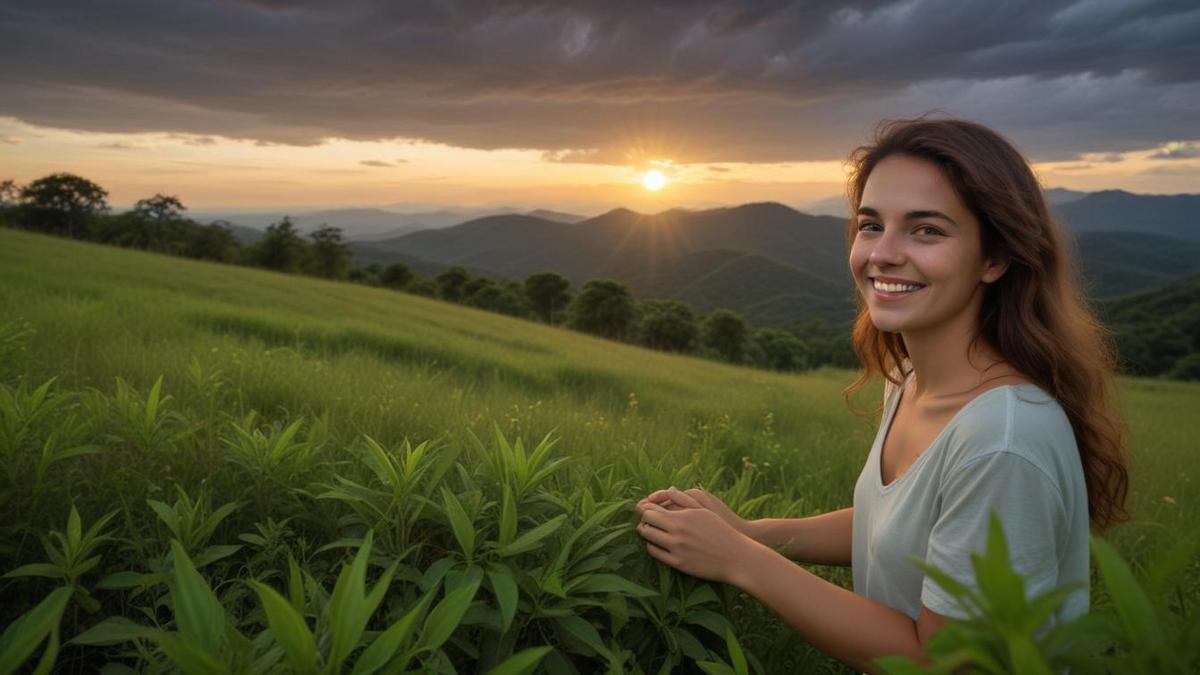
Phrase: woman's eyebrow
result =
(911, 215)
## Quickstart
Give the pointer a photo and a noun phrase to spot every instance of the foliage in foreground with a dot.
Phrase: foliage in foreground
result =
(201, 540)
(1004, 632)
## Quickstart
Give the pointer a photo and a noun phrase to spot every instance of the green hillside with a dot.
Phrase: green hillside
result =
(345, 362)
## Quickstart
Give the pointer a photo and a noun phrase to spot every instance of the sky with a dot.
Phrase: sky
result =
(567, 104)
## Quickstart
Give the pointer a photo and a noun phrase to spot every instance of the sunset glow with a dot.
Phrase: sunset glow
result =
(654, 180)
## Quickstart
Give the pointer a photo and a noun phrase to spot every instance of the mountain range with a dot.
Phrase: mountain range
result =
(774, 265)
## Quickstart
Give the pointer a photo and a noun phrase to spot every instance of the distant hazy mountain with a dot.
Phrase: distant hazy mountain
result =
(1171, 215)
(1064, 196)
(557, 216)
(1121, 262)
(624, 240)
(356, 223)
(831, 206)
(837, 206)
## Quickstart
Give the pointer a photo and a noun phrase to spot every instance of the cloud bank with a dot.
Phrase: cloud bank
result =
(612, 81)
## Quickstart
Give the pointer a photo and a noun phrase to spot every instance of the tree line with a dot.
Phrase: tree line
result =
(67, 205)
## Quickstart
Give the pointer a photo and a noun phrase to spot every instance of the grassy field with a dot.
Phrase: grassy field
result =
(352, 362)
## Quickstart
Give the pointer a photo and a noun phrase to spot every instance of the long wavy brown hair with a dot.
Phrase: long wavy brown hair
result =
(1035, 315)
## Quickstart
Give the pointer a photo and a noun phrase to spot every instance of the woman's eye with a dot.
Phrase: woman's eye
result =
(862, 225)
(930, 228)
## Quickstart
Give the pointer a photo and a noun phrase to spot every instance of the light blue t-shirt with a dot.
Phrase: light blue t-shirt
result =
(1010, 449)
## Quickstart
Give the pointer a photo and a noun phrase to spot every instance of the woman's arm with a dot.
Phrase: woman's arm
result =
(822, 540)
(837, 621)
(847, 626)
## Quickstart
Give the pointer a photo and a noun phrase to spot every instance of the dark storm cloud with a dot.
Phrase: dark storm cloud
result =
(617, 81)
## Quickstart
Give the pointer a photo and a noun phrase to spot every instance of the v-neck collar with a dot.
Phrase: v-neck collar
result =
(937, 439)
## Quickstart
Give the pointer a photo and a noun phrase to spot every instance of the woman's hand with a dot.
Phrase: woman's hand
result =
(696, 541)
(674, 499)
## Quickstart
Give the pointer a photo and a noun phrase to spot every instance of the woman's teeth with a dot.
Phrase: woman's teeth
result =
(894, 288)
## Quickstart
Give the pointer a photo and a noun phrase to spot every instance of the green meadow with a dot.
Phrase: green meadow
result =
(322, 411)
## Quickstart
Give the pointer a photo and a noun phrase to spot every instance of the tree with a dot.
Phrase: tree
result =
(603, 308)
(780, 350)
(214, 241)
(422, 286)
(369, 275)
(472, 286)
(396, 275)
(450, 283)
(156, 224)
(548, 295)
(669, 325)
(1186, 368)
(281, 248)
(63, 203)
(330, 255)
(9, 194)
(724, 333)
(499, 298)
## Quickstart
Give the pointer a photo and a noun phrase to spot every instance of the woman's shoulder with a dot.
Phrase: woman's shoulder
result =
(1020, 419)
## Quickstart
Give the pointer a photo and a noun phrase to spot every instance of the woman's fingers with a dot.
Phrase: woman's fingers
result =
(684, 499)
(661, 497)
(651, 528)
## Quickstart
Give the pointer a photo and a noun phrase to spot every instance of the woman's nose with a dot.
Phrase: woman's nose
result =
(887, 249)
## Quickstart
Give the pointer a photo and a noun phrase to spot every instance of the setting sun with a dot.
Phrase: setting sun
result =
(654, 180)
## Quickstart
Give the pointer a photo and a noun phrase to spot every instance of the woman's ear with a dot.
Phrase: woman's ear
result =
(994, 270)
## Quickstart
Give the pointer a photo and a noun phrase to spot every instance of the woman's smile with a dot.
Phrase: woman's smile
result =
(893, 291)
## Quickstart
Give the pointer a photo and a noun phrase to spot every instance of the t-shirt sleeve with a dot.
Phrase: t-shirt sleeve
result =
(1031, 510)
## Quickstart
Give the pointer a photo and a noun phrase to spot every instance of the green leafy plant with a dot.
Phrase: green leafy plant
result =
(22, 637)
(1003, 630)
(71, 557)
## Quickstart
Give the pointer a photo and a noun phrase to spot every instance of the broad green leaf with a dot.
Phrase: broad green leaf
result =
(36, 570)
(585, 632)
(74, 530)
(166, 514)
(715, 623)
(49, 654)
(521, 663)
(120, 580)
(212, 554)
(1134, 608)
(295, 585)
(608, 583)
(714, 668)
(446, 616)
(24, 634)
(504, 585)
(529, 540)
(375, 596)
(1024, 657)
(191, 658)
(460, 523)
(735, 654)
(508, 518)
(347, 605)
(289, 628)
(198, 614)
(111, 631)
(385, 646)
(689, 644)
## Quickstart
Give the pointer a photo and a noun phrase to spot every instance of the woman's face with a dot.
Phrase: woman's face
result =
(914, 228)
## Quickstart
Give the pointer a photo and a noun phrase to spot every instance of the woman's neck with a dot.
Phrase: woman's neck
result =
(946, 364)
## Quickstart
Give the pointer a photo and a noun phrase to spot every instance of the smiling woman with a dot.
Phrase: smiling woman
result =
(998, 400)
